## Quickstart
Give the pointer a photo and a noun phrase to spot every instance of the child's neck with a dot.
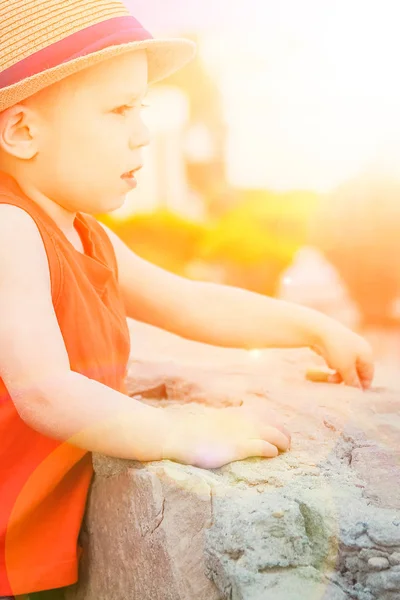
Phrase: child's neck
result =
(61, 216)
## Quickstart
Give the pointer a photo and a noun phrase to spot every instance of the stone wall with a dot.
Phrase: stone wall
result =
(321, 522)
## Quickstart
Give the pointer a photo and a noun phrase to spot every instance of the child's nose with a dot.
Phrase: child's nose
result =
(140, 137)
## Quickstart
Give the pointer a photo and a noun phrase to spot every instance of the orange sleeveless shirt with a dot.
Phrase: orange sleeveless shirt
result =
(44, 483)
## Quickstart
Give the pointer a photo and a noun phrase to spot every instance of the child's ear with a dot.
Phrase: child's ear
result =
(18, 128)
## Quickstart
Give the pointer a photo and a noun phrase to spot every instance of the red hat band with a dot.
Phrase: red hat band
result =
(113, 32)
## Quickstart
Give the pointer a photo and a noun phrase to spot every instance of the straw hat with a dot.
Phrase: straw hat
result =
(44, 41)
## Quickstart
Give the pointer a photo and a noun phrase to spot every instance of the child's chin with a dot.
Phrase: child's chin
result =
(115, 204)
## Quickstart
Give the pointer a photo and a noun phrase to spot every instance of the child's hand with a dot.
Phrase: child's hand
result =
(212, 437)
(348, 354)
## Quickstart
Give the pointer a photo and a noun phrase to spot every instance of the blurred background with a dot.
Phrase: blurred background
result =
(275, 155)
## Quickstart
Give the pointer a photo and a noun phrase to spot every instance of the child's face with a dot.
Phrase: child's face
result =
(90, 134)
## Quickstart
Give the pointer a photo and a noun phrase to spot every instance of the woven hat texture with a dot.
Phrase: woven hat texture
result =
(45, 41)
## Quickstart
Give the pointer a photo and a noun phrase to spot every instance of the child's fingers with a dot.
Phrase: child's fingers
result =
(257, 448)
(335, 378)
(320, 376)
(279, 438)
(351, 378)
(261, 414)
(365, 371)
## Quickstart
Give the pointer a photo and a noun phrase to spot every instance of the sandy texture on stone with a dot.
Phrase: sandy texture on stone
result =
(321, 522)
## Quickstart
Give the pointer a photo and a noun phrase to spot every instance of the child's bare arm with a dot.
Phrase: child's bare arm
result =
(233, 317)
(34, 364)
(65, 405)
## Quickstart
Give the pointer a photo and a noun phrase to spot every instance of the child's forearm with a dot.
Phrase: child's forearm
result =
(94, 417)
(233, 317)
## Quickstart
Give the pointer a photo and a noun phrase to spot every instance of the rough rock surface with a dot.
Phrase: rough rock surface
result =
(321, 522)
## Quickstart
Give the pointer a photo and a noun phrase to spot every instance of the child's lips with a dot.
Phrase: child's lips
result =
(130, 178)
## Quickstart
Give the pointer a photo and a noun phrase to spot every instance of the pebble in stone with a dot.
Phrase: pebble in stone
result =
(363, 593)
(394, 558)
(278, 514)
(352, 564)
(358, 529)
(367, 553)
(378, 563)
(385, 581)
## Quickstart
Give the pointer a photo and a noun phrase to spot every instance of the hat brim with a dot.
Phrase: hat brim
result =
(165, 57)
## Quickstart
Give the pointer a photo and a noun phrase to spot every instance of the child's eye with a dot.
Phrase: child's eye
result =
(122, 110)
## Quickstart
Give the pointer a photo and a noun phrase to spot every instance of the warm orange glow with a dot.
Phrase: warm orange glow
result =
(311, 91)
(287, 101)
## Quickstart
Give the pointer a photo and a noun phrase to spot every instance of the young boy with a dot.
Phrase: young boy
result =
(73, 75)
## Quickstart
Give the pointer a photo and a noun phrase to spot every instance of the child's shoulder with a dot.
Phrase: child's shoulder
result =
(22, 251)
(18, 229)
(30, 340)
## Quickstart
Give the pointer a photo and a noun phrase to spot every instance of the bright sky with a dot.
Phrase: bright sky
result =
(311, 87)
